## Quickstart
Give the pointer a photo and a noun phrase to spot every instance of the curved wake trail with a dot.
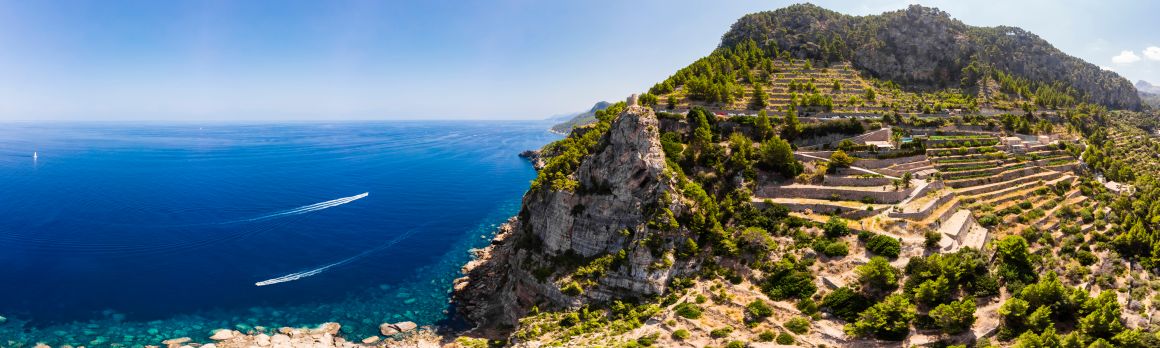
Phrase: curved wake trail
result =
(303, 274)
(305, 209)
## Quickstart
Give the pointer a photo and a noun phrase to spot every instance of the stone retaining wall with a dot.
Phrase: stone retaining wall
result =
(821, 208)
(1001, 177)
(926, 210)
(883, 163)
(988, 171)
(826, 193)
(1010, 182)
(951, 211)
(855, 180)
(912, 165)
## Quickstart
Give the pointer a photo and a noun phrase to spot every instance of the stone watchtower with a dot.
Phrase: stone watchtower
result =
(633, 100)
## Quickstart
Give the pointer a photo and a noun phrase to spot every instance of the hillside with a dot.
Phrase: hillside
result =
(1145, 87)
(1149, 94)
(992, 203)
(923, 46)
(580, 119)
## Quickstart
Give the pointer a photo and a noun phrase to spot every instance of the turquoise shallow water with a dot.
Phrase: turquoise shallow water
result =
(127, 235)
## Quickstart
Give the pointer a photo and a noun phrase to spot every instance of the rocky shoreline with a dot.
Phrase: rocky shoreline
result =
(327, 335)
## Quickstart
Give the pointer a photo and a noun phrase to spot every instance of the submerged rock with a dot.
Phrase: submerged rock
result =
(175, 342)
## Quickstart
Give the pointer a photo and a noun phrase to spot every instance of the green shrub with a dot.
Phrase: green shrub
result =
(788, 279)
(681, 335)
(572, 289)
(798, 325)
(831, 248)
(932, 238)
(836, 227)
(688, 310)
(766, 336)
(839, 159)
(648, 340)
(570, 319)
(785, 339)
(845, 303)
(721, 332)
(735, 344)
(884, 245)
(807, 306)
(759, 309)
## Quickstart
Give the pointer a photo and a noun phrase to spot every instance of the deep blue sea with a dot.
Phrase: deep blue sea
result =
(136, 233)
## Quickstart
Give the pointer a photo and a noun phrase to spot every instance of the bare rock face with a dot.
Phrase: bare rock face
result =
(621, 183)
(616, 183)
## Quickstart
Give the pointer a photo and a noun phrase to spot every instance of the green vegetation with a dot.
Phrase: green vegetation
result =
(758, 309)
(887, 320)
(798, 325)
(721, 332)
(972, 56)
(563, 156)
(878, 276)
(845, 303)
(688, 310)
(839, 159)
(883, 245)
(786, 279)
(954, 317)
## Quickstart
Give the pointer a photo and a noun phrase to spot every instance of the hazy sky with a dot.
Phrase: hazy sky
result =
(332, 60)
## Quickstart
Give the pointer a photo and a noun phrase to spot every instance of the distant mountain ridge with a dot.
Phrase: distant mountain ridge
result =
(1149, 94)
(1145, 87)
(579, 119)
(924, 46)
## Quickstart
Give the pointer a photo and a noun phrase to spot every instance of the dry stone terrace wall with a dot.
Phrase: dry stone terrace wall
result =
(856, 180)
(883, 163)
(879, 195)
(821, 208)
(998, 177)
(990, 187)
(926, 210)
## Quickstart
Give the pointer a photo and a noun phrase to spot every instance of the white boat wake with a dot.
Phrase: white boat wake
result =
(305, 209)
(307, 273)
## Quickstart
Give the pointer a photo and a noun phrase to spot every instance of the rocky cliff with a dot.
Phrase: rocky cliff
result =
(623, 186)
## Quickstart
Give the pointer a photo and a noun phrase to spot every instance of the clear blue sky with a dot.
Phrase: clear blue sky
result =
(331, 60)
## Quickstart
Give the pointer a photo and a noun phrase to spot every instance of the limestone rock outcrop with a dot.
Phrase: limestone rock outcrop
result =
(622, 184)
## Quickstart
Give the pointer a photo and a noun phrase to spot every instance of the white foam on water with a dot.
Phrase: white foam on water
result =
(315, 271)
(306, 208)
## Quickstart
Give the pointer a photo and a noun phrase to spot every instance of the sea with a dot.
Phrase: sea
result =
(127, 234)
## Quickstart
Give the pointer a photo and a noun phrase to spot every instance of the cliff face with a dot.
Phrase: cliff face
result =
(620, 184)
(925, 46)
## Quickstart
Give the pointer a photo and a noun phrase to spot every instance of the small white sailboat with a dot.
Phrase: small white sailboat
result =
(34, 156)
